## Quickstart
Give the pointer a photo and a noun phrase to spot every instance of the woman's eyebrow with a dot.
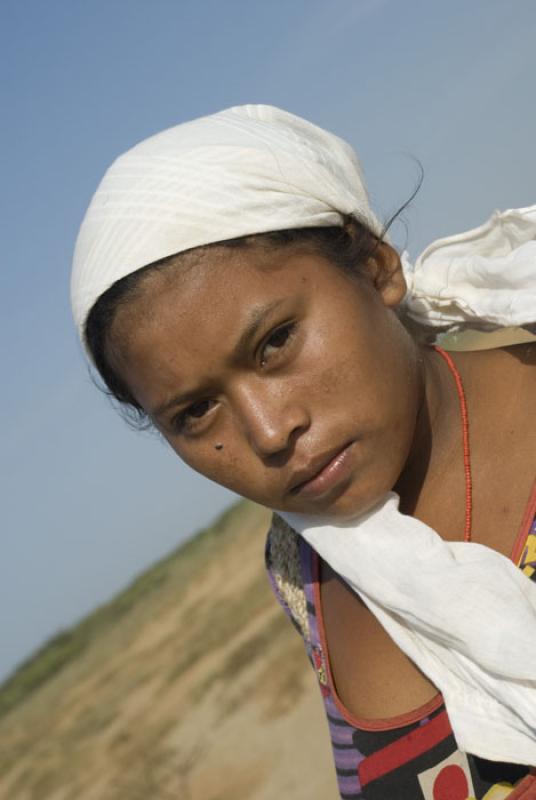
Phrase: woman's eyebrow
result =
(255, 320)
(176, 400)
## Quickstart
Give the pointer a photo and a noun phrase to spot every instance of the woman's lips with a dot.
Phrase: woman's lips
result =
(335, 470)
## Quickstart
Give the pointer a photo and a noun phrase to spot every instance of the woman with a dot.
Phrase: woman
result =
(232, 286)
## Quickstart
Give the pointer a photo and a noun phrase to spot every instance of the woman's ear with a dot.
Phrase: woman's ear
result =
(385, 270)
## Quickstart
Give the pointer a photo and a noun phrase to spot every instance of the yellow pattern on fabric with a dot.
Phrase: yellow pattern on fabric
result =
(528, 556)
(498, 791)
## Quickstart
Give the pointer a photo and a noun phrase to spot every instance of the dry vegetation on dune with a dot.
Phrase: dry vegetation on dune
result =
(189, 685)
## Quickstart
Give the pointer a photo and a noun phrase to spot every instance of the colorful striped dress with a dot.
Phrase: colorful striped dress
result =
(409, 757)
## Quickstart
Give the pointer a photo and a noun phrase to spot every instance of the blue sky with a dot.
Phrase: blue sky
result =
(87, 503)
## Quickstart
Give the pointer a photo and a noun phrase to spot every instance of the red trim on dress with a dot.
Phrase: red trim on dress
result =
(409, 747)
(381, 724)
(524, 530)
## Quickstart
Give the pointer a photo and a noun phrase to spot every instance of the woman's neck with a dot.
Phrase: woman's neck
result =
(437, 443)
(500, 391)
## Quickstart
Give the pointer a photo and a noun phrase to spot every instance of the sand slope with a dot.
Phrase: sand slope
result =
(190, 685)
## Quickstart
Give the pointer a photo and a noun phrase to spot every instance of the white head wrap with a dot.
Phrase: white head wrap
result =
(483, 278)
(249, 169)
(255, 168)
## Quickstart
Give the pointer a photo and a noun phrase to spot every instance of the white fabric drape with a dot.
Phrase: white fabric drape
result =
(483, 278)
(465, 614)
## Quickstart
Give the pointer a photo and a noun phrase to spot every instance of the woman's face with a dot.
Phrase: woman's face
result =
(276, 374)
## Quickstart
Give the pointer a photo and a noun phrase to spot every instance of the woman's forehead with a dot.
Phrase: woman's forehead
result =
(213, 294)
(197, 284)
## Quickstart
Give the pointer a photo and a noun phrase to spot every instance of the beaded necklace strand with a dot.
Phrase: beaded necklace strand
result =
(466, 449)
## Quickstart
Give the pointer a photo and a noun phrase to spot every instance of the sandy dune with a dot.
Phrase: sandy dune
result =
(199, 690)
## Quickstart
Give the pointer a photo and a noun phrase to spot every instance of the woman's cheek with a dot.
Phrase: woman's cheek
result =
(215, 459)
(194, 453)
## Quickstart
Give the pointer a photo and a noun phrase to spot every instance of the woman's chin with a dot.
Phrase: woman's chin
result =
(345, 506)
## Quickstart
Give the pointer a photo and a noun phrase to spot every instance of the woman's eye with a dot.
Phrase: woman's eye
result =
(186, 419)
(276, 341)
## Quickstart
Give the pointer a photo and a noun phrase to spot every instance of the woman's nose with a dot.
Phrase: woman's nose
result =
(272, 419)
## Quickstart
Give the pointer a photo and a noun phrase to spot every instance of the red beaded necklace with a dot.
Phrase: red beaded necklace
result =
(466, 450)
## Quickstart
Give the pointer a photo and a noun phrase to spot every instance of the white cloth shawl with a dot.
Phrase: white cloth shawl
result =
(465, 614)
(462, 612)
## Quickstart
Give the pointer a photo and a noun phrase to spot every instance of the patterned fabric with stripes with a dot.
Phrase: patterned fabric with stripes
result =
(418, 760)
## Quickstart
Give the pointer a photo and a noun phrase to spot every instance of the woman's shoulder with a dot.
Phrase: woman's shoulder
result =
(512, 355)
(500, 388)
